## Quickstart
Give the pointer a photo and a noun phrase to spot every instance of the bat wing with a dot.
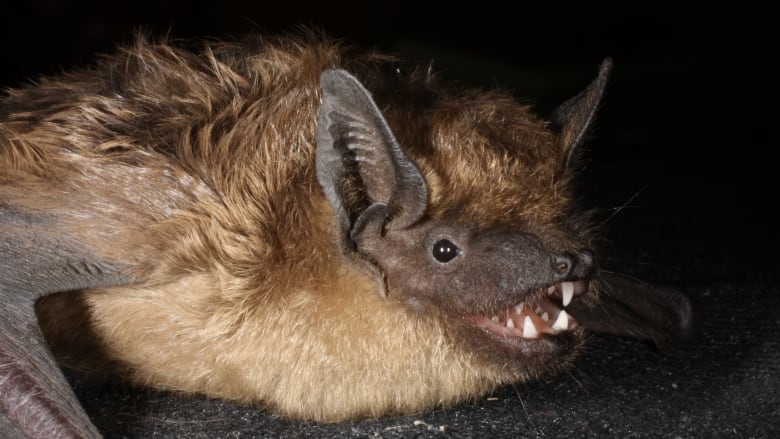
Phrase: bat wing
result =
(37, 258)
(632, 308)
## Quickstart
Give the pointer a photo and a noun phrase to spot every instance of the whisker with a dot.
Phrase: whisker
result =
(618, 209)
(525, 409)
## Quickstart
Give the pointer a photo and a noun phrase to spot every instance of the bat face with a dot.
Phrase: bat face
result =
(261, 225)
(504, 290)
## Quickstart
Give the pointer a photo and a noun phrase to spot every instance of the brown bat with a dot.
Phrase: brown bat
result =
(294, 223)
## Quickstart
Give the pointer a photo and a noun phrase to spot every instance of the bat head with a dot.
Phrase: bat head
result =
(464, 212)
(468, 217)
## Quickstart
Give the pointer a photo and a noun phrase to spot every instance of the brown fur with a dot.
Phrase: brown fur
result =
(195, 169)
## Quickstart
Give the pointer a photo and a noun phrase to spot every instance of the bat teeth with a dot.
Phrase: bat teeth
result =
(529, 329)
(562, 322)
(567, 291)
(533, 320)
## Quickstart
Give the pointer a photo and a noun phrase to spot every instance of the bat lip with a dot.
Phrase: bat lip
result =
(536, 350)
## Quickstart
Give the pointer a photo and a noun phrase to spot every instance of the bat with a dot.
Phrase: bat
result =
(291, 222)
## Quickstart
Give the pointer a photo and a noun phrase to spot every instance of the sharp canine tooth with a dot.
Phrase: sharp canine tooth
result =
(562, 322)
(567, 288)
(510, 323)
(546, 317)
(529, 330)
(519, 308)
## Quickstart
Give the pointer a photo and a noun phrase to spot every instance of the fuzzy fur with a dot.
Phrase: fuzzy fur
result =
(195, 170)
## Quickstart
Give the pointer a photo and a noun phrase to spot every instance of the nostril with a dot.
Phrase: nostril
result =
(562, 265)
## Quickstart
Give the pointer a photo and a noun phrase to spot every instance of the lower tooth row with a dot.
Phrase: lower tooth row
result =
(529, 329)
(562, 322)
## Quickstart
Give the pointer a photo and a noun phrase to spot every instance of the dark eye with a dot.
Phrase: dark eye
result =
(444, 251)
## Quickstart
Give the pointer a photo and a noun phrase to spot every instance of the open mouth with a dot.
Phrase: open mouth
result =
(542, 314)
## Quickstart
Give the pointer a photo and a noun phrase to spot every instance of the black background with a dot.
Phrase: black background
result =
(682, 167)
(698, 83)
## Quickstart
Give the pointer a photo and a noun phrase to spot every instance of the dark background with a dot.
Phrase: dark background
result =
(699, 83)
(681, 167)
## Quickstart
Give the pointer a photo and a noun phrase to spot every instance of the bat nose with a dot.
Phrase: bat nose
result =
(571, 266)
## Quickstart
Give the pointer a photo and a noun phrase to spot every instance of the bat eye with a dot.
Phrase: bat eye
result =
(444, 251)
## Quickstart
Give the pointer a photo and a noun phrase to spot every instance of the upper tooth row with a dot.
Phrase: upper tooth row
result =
(519, 308)
(567, 291)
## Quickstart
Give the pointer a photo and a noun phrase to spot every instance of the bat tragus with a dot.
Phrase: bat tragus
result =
(298, 224)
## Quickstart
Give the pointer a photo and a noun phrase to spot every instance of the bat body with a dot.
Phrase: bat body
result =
(293, 223)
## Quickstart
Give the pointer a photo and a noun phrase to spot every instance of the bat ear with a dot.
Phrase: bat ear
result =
(361, 164)
(632, 308)
(573, 118)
